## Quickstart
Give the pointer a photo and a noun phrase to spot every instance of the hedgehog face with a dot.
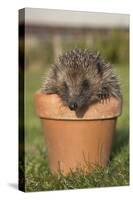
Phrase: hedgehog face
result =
(76, 90)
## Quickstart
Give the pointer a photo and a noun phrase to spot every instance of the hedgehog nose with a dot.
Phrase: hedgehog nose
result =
(72, 105)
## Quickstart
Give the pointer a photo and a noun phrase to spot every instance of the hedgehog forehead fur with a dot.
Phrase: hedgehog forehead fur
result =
(83, 77)
(78, 65)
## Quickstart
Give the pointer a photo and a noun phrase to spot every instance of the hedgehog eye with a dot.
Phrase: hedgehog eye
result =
(85, 83)
(65, 85)
(99, 67)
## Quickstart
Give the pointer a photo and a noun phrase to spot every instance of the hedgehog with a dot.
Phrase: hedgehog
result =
(81, 78)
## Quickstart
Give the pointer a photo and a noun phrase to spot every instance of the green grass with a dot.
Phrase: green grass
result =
(37, 173)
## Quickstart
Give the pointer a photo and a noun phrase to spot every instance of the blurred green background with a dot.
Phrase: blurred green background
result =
(41, 50)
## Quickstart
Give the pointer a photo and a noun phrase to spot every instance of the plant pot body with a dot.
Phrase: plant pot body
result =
(75, 142)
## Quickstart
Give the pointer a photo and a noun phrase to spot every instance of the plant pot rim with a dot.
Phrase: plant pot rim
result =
(50, 106)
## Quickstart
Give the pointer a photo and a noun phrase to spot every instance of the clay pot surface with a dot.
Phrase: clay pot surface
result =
(77, 140)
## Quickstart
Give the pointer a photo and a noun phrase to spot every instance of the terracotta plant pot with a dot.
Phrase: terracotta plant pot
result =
(75, 142)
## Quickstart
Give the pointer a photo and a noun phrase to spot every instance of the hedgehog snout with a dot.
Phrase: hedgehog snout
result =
(73, 105)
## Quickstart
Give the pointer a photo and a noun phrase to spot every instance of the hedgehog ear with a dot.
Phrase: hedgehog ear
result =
(49, 87)
(99, 68)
